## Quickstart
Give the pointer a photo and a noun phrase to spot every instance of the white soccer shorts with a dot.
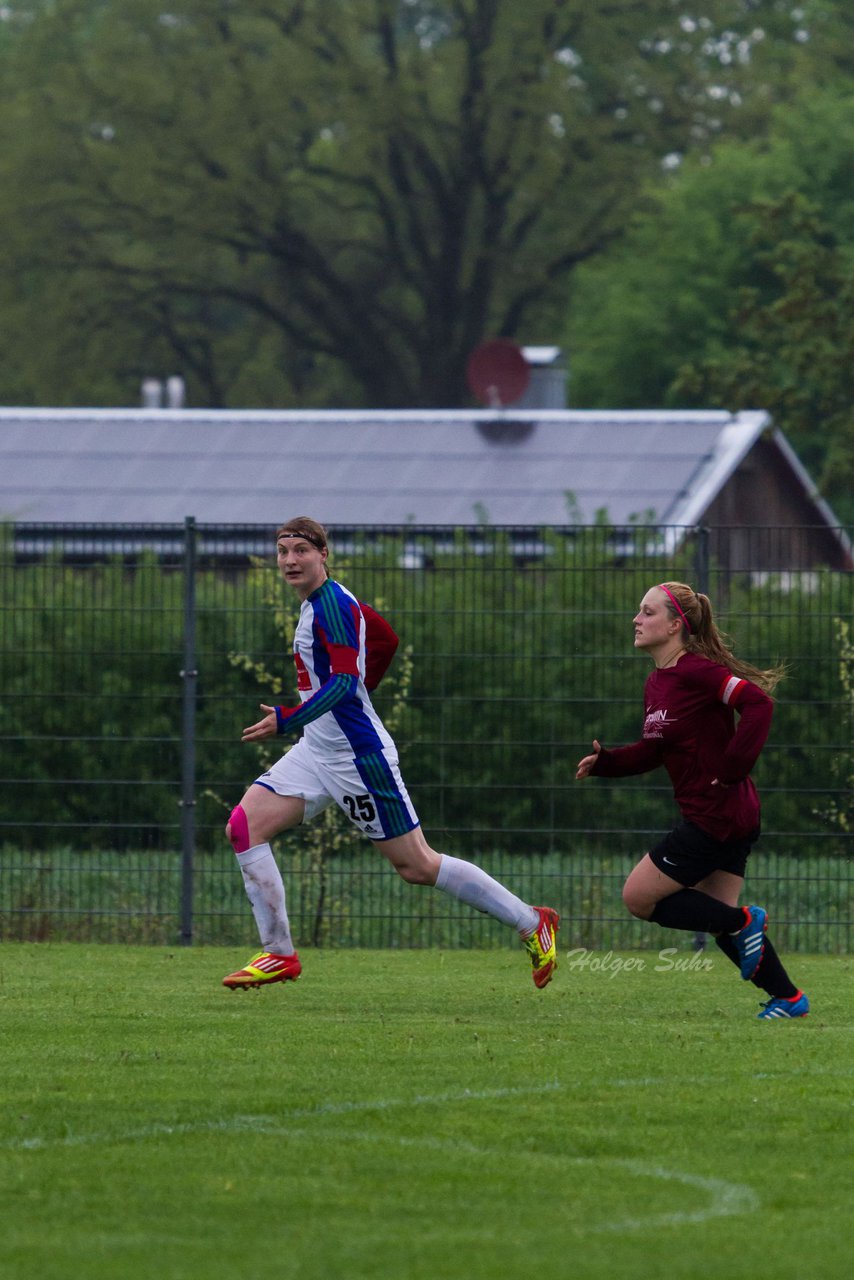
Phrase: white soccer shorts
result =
(368, 788)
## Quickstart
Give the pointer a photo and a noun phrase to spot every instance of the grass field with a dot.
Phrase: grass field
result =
(419, 1115)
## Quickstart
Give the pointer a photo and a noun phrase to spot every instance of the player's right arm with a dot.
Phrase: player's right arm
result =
(621, 762)
(587, 764)
(266, 728)
(335, 628)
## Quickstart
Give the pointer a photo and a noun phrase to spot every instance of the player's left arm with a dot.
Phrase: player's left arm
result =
(381, 643)
(754, 710)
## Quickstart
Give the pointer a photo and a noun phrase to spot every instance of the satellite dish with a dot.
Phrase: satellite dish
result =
(497, 372)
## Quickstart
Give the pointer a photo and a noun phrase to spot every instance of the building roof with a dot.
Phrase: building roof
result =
(531, 467)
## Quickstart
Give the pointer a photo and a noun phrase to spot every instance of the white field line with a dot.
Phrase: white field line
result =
(259, 1124)
(722, 1199)
(263, 1124)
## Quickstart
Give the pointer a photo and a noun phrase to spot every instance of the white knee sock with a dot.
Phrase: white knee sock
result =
(266, 892)
(466, 881)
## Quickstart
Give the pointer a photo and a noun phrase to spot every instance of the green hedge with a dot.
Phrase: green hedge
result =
(516, 663)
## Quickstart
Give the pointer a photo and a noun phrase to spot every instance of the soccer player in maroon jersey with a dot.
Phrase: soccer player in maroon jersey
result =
(346, 756)
(693, 878)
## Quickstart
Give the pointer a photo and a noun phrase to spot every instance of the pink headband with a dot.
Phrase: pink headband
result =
(675, 604)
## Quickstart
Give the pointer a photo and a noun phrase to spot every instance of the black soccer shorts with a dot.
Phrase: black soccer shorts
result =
(689, 854)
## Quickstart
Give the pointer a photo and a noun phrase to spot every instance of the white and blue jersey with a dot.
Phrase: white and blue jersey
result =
(329, 652)
(344, 740)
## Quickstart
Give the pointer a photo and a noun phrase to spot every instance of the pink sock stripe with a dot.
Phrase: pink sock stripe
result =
(239, 829)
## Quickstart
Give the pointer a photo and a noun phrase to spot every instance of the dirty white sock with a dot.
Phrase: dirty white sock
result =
(466, 881)
(266, 893)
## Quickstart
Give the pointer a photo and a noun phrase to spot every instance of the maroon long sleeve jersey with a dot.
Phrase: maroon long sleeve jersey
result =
(689, 727)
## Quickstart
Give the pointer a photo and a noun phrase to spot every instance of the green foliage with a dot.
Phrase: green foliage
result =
(332, 203)
(840, 809)
(734, 289)
(638, 312)
(510, 664)
(794, 355)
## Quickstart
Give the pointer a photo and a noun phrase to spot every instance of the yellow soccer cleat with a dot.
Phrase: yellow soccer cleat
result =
(263, 968)
(541, 946)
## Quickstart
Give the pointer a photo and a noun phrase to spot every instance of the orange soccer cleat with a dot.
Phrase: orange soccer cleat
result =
(265, 967)
(541, 946)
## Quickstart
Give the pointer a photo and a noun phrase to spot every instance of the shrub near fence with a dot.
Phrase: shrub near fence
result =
(132, 658)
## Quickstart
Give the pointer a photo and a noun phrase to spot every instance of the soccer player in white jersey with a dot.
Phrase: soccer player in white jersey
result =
(345, 755)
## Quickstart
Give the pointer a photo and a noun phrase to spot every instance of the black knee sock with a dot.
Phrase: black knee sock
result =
(770, 977)
(699, 912)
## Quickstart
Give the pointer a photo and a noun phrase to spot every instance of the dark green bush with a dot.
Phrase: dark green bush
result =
(520, 656)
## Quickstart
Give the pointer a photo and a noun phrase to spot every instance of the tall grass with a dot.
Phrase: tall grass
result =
(352, 898)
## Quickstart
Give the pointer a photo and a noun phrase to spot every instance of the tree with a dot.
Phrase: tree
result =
(327, 201)
(795, 350)
(733, 289)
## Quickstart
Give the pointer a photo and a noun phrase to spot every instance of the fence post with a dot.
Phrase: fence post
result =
(189, 676)
(701, 560)
(701, 583)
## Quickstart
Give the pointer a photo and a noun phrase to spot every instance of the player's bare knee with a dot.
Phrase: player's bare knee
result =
(416, 873)
(418, 866)
(412, 858)
(636, 904)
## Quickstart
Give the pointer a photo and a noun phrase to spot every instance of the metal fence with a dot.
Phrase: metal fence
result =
(133, 656)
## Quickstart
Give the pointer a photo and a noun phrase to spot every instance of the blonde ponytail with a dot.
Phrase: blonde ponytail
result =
(701, 635)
